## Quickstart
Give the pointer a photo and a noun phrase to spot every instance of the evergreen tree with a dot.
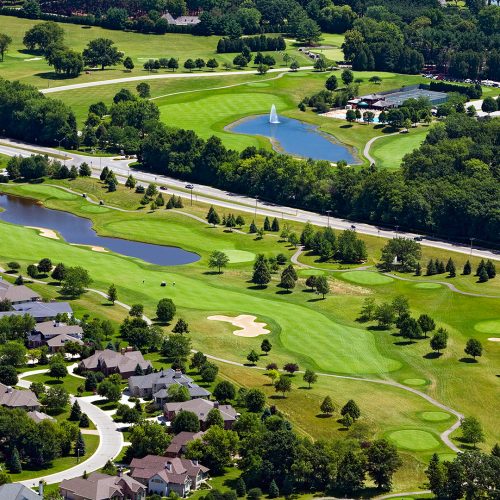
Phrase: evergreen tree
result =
(495, 451)
(467, 268)
(275, 227)
(450, 268)
(80, 445)
(104, 174)
(138, 370)
(287, 280)
(490, 269)
(436, 474)
(241, 489)
(483, 275)
(352, 409)
(76, 412)
(274, 492)
(84, 421)
(267, 224)
(253, 228)
(418, 269)
(480, 267)
(240, 221)
(322, 285)
(266, 346)
(311, 282)
(431, 268)
(261, 274)
(440, 267)
(181, 326)
(170, 203)
(14, 462)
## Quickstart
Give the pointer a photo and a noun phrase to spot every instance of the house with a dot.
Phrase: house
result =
(38, 416)
(14, 398)
(109, 362)
(54, 335)
(201, 407)
(163, 475)
(156, 385)
(17, 491)
(178, 445)
(102, 487)
(181, 20)
(43, 311)
(17, 294)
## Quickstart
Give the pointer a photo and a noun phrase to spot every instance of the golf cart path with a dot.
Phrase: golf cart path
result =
(368, 145)
(294, 259)
(110, 439)
(161, 76)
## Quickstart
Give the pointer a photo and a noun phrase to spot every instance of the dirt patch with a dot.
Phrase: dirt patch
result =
(46, 233)
(494, 339)
(249, 327)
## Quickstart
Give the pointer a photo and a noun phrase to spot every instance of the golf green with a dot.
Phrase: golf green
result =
(310, 272)
(414, 381)
(427, 285)
(236, 256)
(94, 209)
(414, 440)
(488, 326)
(366, 278)
(435, 416)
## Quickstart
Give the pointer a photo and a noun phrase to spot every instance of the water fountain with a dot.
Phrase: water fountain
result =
(273, 115)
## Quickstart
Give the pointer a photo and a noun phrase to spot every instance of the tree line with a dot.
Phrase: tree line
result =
(260, 43)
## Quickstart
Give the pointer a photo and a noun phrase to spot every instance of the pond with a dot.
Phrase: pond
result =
(295, 138)
(74, 229)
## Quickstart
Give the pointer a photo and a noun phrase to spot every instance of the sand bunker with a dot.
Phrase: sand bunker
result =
(46, 233)
(95, 249)
(249, 327)
(494, 339)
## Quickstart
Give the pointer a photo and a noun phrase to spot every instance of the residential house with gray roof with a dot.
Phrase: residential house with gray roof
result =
(14, 398)
(201, 408)
(156, 385)
(17, 294)
(109, 362)
(17, 491)
(54, 335)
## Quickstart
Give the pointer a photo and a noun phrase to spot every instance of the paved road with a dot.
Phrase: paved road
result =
(162, 76)
(233, 201)
(368, 145)
(110, 439)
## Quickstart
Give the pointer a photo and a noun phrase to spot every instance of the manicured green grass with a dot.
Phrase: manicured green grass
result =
(435, 416)
(414, 381)
(60, 464)
(32, 68)
(413, 439)
(320, 334)
(491, 326)
(238, 255)
(70, 383)
(366, 278)
(389, 151)
(427, 286)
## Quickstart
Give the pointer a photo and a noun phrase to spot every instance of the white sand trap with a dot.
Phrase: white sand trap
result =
(249, 327)
(95, 249)
(494, 339)
(46, 233)
(33, 59)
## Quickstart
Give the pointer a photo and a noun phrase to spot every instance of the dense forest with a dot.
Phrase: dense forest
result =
(385, 35)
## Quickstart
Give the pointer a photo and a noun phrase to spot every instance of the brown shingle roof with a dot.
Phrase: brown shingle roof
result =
(51, 328)
(17, 293)
(173, 470)
(123, 362)
(13, 398)
(201, 407)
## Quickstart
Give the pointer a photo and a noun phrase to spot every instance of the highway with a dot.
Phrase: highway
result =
(233, 201)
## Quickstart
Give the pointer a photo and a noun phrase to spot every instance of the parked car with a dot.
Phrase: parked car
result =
(189, 186)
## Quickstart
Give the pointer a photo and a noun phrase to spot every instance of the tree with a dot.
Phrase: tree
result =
(489, 105)
(450, 268)
(198, 360)
(473, 348)
(224, 391)
(8, 375)
(262, 69)
(261, 274)
(185, 421)
(352, 409)
(128, 64)
(13, 353)
(109, 390)
(409, 328)
(144, 90)
(14, 462)
(254, 494)
(177, 347)
(137, 310)
(322, 285)
(212, 216)
(490, 269)
(384, 314)
(178, 393)
(310, 377)
(255, 400)
(308, 31)
(439, 340)
(253, 357)
(130, 182)
(214, 417)
(331, 83)
(294, 66)
(76, 412)
(101, 52)
(436, 474)
(426, 323)
(291, 368)
(472, 431)
(56, 399)
(350, 473)
(58, 370)
(326, 406)
(347, 76)
(382, 462)
(189, 65)
(283, 385)
(173, 64)
(483, 275)
(208, 372)
(59, 272)
(5, 41)
(287, 281)
(75, 280)
(218, 260)
(43, 36)
(274, 491)
(165, 310)
(402, 254)
(112, 294)
(149, 438)
(181, 326)
(266, 346)
(212, 64)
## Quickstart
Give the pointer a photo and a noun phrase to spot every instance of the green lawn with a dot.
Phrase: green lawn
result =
(70, 383)
(31, 68)
(389, 151)
(320, 334)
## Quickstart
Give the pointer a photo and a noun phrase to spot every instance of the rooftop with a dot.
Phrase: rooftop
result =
(201, 408)
(17, 293)
(14, 398)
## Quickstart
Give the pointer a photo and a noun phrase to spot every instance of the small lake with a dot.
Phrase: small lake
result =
(295, 138)
(74, 229)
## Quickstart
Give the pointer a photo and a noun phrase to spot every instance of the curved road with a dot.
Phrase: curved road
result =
(368, 145)
(233, 201)
(110, 439)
